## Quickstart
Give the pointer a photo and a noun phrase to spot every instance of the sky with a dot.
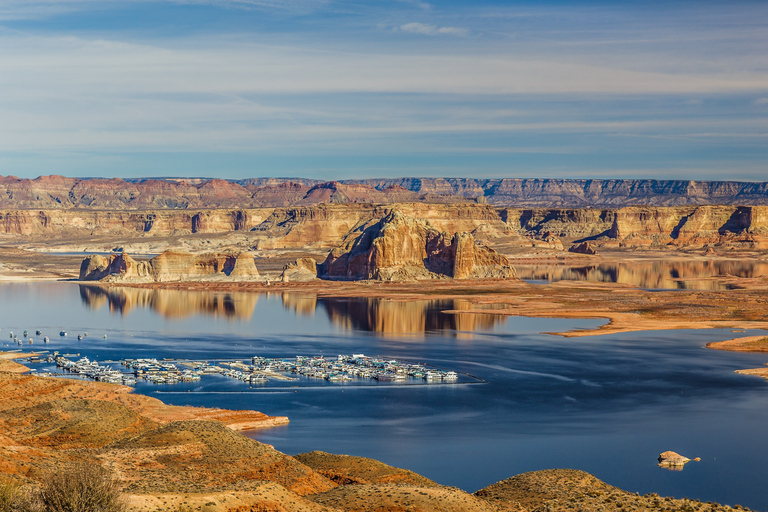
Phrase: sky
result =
(331, 89)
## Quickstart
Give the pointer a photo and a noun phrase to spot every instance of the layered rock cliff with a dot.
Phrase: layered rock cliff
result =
(169, 266)
(327, 226)
(683, 226)
(84, 222)
(399, 247)
(692, 226)
(584, 193)
(54, 192)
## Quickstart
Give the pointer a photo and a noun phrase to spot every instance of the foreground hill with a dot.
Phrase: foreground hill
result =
(62, 192)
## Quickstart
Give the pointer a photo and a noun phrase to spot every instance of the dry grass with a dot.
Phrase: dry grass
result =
(81, 488)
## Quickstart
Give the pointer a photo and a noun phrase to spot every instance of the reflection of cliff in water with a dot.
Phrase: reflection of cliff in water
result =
(170, 303)
(391, 317)
(693, 275)
(388, 317)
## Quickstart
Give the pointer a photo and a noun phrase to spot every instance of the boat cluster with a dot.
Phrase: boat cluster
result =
(161, 372)
(166, 372)
(25, 336)
(91, 369)
(356, 366)
(29, 339)
(339, 369)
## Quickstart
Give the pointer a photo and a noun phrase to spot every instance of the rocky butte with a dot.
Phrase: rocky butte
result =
(169, 266)
(399, 248)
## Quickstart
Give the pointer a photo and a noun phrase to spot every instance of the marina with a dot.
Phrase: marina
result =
(339, 369)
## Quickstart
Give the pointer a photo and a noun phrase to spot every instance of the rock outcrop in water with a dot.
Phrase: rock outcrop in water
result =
(169, 266)
(673, 460)
(399, 247)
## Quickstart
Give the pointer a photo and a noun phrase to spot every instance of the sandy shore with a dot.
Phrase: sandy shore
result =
(8, 363)
(745, 344)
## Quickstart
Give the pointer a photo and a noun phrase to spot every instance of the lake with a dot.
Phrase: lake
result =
(605, 404)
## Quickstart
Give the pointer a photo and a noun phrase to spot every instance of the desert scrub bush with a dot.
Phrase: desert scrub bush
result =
(83, 488)
(14, 498)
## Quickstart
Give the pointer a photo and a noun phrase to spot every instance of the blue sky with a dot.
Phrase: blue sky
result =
(348, 89)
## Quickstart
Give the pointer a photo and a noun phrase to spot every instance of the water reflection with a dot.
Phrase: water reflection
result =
(687, 275)
(391, 317)
(170, 303)
(378, 315)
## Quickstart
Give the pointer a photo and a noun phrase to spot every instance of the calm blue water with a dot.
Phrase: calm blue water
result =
(605, 404)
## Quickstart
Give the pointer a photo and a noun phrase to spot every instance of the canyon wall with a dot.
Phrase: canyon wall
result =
(584, 193)
(327, 226)
(56, 192)
(74, 222)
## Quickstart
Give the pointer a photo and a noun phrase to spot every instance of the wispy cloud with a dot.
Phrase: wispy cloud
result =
(38, 9)
(433, 30)
(418, 3)
(305, 6)
(45, 65)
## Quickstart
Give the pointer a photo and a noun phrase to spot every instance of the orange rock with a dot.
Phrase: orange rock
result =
(399, 247)
(168, 266)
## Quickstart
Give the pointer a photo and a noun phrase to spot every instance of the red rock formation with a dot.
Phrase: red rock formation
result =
(399, 247)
